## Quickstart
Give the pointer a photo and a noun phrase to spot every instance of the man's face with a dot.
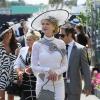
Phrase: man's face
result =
(66, 37)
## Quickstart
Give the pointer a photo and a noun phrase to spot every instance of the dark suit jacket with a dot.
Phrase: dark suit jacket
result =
(77, 63)
(21, 31)
(21, 40)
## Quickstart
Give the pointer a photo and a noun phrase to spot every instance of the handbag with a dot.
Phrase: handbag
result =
(46, 94)
(14, 86)
(14, 89)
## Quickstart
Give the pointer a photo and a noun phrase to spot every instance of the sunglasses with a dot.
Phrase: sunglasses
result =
(62, 35)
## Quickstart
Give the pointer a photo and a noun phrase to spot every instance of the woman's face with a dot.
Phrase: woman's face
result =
(8, 35)
(47, 28)
(77, 30)
(30, 40)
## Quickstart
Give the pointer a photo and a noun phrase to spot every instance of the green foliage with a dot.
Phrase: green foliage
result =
(72, 2)
(55, 1)
(82, 17)
(89, 12)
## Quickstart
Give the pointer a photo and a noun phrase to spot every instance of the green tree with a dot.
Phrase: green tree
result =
(56, 3)
(21, 1)
(3, 3)
(89, 12)
(71, 2)
(83, 18)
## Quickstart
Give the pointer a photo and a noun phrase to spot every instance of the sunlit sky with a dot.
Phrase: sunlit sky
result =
(45, 1)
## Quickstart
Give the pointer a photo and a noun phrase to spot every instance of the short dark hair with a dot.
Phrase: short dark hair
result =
(70, 30)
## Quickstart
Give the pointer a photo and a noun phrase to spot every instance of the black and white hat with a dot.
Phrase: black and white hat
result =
(4, 28)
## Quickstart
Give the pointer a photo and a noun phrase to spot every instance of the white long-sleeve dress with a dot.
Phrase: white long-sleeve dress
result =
(44, 60)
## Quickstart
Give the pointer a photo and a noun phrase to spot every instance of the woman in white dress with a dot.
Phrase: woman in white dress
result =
(49, 60)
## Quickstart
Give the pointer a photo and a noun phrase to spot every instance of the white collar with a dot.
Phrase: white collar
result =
(71, 43)
(49, 38)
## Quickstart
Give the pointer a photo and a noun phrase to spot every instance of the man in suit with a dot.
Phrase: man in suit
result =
(22, 38)
(77, 62)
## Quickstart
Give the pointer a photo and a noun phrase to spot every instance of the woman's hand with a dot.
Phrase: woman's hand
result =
(52, 76)
(20, 75)
(28, 70)
(17, 51)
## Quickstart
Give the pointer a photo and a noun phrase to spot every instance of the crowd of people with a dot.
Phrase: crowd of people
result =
(42, 60)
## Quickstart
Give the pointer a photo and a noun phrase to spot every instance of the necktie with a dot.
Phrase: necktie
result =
(64, 74)
(67, 49)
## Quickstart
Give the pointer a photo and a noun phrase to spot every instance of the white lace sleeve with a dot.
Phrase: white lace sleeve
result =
(35, 60)
(64, 63)
(64, 66)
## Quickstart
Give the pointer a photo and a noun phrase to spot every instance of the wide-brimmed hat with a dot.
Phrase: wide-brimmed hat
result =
(60, 14)
(4, 28)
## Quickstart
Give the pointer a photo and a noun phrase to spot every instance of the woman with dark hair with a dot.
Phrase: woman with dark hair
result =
(82, 38)
(8, 45)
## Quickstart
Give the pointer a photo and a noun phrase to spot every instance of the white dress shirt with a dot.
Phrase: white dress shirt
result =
(70, 48)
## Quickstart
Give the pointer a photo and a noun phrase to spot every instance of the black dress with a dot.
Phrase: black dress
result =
(28, 83)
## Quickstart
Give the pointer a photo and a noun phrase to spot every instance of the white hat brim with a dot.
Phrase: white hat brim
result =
(11, 27)
(60, 14)
(5, 31)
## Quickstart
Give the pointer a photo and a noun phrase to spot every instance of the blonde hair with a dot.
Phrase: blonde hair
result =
(34, 34)
(54, 22)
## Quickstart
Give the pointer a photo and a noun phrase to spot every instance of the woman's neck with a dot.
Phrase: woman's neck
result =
(30, 49)
(49, 38)
(7, 48)
(6, 43)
